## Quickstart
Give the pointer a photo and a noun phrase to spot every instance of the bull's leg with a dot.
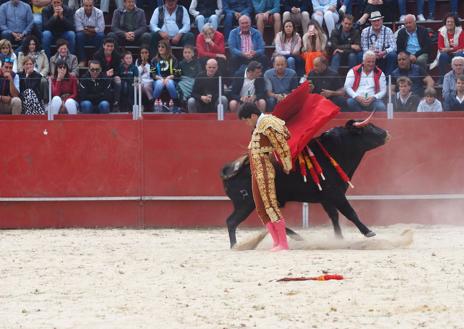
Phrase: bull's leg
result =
(333, 214)
(233, 221)
(345, 208)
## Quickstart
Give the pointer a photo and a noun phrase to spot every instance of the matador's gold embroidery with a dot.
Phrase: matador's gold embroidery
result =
(270, 135)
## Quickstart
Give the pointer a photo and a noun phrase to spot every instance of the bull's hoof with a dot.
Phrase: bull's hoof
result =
(370, 234)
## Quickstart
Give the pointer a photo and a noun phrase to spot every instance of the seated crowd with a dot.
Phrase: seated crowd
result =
(59, 46)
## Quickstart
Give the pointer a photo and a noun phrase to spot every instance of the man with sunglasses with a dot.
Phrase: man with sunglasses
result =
(95, 90)
(10, 103)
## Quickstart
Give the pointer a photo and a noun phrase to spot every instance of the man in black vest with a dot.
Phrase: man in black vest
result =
(171, 22)
(129, 25)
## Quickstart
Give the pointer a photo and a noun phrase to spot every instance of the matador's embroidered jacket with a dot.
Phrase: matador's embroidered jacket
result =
(269, 136)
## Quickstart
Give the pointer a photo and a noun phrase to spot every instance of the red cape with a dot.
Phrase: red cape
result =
(304, 114)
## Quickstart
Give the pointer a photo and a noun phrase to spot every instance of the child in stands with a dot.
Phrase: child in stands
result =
(127, 72)
(189, 67)
(430, 103)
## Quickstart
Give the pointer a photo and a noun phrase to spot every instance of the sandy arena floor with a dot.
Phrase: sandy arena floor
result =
(190, 279)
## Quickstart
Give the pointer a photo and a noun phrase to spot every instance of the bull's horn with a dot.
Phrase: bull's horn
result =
(365, 122)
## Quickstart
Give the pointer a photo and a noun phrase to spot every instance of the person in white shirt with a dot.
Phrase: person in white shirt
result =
(430, 103)
(365, 84)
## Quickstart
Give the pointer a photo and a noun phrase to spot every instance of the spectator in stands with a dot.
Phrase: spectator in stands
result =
(205, 92)
(288, 44)
(6, 51)
(143, 64)
(314, 45)
(58, 22)
(449, 81)
(109, 60)
(129, 26)
(206, 11)
(105, 5)
(298, 12)
(430, 103)
(30, 88)
(453, 7)
(346, 45)
(63, 54)
(37, 8)
(90, 29)
(326, 82)
(405, 100)
(16, 21)
(171, 22)
(326, 11)
(64, 90)
(10, 103)
(419, 11)
(246, 44)
(233, 10)
(370, 7)
(31, 47)
(366, 86)
(419, 77)
(380, 39)
(165, 70)
(456, 101)
(280, 81)
(210, 44)
(267, 12)
(450, 42)
(95, 90)
(189, 67)
(127, 72)
(415, 40)
(249, 88)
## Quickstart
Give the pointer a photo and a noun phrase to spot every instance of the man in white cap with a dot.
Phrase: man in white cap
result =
(380, 39)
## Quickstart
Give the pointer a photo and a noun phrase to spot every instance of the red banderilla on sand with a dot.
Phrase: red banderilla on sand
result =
(324, 277)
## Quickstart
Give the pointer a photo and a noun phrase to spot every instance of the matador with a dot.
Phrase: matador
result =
(268, 140)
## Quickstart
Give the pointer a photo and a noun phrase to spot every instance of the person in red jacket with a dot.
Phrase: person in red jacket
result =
(450, 42)
(64, 90)
(210, 44)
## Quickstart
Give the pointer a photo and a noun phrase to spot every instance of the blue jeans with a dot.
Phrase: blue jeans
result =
(200, 20)
(388, 64)
(354, 106)
(83, 40)
(229, 20)
(48, 37)
(158, 87)
(352, 59)
(102, 107)
(349, 6)
(419, 3)
(444, 62)
(37, 19)
(296, 63)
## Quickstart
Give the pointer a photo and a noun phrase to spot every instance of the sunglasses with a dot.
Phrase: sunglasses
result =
(94, 70)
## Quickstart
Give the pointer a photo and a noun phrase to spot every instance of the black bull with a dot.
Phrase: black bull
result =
(346, 145)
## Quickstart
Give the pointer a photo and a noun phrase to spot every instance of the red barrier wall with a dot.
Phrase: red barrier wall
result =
(113, 156)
